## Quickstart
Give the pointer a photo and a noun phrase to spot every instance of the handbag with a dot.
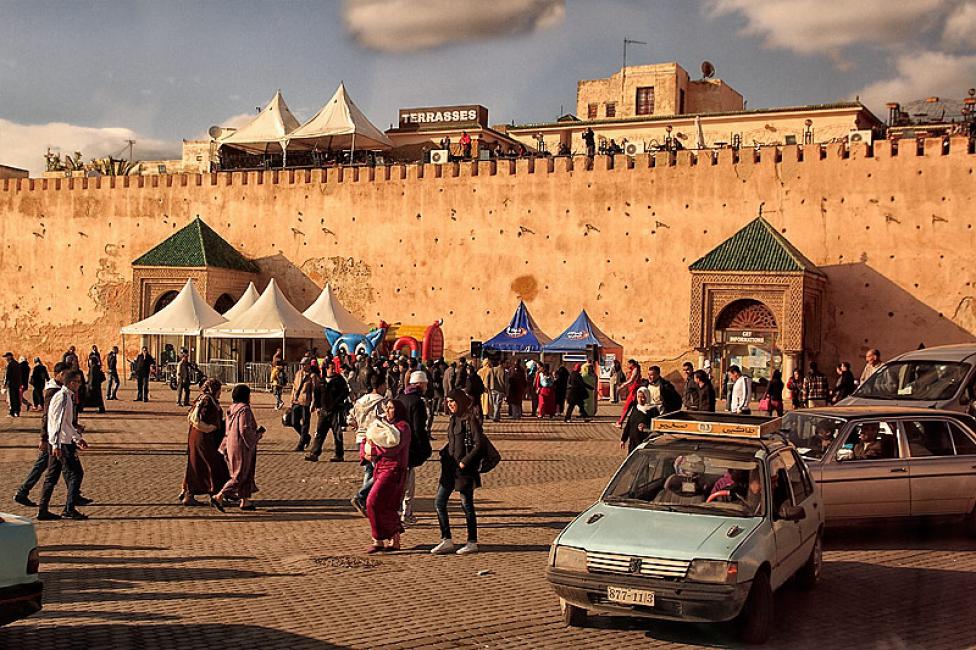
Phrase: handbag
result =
(195, 420)
(765, 403)
(490, 458)
(286, 419)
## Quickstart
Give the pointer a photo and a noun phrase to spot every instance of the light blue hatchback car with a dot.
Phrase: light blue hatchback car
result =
(701, 523)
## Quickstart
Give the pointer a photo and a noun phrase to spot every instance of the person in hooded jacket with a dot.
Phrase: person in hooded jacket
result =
(389, 476)
(240, 449)
(460, 460)
(420, 450)
(638, 425)
(577, 392)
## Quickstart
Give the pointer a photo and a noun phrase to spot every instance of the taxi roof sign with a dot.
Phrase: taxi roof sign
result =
(727, 425)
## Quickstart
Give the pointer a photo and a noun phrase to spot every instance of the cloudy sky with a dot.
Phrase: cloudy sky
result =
(91, 74)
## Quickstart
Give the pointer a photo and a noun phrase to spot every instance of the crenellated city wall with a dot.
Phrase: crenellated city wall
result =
(892, 226)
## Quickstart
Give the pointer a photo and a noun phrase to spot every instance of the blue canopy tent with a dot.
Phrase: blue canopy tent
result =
(521, 335)
(581, 334)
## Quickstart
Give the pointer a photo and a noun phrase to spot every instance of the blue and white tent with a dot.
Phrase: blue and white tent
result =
(579, 335)
(521, 335)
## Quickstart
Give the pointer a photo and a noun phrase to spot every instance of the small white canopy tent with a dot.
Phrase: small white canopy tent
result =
(270, 127)
(327, 311)
(340, 124)
(270, 317)
(249, 297)
(187, 315)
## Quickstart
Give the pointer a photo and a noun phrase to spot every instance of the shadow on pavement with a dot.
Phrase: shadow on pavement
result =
(120, 636)
(900, 535)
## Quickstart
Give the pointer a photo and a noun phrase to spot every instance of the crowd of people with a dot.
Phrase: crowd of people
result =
(390, 404)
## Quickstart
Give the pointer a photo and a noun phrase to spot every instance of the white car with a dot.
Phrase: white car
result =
(20, 587)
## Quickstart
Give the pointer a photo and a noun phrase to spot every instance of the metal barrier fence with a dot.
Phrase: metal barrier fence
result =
(258, 376)
(224, 370)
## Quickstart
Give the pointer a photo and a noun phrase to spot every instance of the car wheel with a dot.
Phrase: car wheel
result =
(573, 616)
(756, 617)
(809, 574)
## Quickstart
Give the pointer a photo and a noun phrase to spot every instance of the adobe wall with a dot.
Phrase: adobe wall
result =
(894, 234)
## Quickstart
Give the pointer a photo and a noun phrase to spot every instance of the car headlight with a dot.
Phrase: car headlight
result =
(567, 557)
(714, 571)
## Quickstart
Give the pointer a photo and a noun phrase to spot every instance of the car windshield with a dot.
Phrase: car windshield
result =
(914, 380)
(811, 434)
(689, 479)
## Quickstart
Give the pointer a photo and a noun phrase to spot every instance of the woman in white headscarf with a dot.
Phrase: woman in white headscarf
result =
(638, 425)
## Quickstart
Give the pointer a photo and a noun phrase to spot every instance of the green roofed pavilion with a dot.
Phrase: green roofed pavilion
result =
(758, 247)
(196, 245)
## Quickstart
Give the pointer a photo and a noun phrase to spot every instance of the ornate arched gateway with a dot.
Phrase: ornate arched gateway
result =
(756, 302)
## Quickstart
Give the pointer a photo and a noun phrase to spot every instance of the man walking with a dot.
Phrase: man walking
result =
(816, 391)
(144, 366)
(65, 440)
(741, 394)
(50, 387)
(691, 399)
(38, 378)
(302, 398)
(420, 448)
(112, 363)
(12, 384)
(329, 401)
(184, 373)
(497, 386)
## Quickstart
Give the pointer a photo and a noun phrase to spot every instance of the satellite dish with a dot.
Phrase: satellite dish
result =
(215, 132)
(707, 69)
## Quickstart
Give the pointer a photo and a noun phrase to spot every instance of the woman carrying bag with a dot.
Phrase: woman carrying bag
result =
(460, 461)
(387, 446)
(206, 470)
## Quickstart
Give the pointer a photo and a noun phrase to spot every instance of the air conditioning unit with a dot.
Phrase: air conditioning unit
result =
(439, 156)
(632, 149)
(864, 135)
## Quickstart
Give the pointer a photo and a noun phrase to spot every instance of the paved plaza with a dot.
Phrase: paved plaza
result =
(146, 572)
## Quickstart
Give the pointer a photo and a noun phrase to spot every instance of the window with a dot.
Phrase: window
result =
(779, 481)
(965, 446)
(812, 434)
(928, 438)
(799, 478)
(870, 441)
(681, 101)
(914, 380)
(645, 100)
(591, 111)
(611, 109)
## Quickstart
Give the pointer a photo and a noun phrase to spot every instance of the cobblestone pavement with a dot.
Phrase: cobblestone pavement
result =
(145, 572)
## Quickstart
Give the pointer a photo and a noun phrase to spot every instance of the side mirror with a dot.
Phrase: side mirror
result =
(789, 512)
(845, 454)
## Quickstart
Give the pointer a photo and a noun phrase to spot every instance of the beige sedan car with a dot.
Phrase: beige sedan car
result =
(874, 462)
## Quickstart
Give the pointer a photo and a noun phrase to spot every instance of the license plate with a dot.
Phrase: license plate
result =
(625, 596)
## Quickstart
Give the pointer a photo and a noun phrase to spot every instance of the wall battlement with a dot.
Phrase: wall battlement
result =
(890, 225)
(882, 149)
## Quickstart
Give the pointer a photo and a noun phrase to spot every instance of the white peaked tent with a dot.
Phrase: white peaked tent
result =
(340, 125)
(270, 317)
(270, 127)
(188, 315)
(328, 312)
(244, 303)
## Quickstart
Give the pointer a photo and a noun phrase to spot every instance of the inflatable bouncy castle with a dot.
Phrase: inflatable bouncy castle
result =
(425, 342)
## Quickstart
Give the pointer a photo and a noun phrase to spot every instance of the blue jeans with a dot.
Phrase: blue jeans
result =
(363, 493)
(467, 504)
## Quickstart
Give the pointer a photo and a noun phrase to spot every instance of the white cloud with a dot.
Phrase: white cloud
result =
(922, 74)
(819, 26)
(24, 145)
(414, 25)
(960, 27)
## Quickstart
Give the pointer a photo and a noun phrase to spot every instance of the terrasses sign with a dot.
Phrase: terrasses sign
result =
(442, 116)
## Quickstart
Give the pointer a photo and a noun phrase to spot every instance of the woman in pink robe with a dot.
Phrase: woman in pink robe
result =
(390, 468)
(240, 449)
(547, 393)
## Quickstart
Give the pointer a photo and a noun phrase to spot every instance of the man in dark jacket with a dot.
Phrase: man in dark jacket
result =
(184, 377)
(38, 378)
(706, 392)
(112, 365)
(690, 400)
(420, 449)
(330, 398)
(560, 386)
(12, 382)
(143, 367)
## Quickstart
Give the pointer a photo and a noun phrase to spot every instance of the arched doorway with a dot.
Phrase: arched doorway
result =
(224, 303)
(747, 335)
(163, 301)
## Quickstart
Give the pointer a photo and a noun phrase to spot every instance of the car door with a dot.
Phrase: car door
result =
(866, 487)
(941, 481)
(964, 441)
(786, 533)
(805, 496)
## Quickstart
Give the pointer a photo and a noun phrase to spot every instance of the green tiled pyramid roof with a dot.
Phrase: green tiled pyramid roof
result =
(194, 245)
(757, 247)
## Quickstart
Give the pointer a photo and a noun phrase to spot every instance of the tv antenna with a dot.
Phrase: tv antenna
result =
(623, 71)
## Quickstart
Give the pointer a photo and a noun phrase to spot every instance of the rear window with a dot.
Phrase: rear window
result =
(921, 380)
